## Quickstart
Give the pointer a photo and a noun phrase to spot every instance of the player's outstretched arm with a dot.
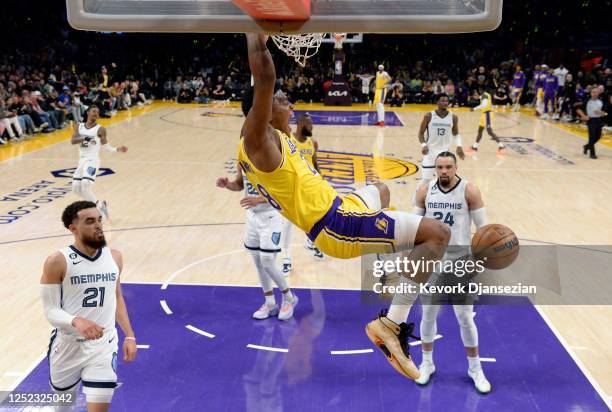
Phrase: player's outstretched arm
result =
(121, 315)
(236, 185)
(419, 200)
(106, 146)
(257, 124)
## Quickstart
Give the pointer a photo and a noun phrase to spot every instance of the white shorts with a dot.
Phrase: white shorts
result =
(87, 169)
(72, 360)
(428, 165)
(263, 231)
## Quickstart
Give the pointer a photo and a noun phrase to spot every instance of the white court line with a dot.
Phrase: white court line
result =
(398, 118)
(607, 399)
(199, 331)
(578, 347)
(197, 262)
(165, 307)
(418, 342)
(143, 346)
(351, 352)
(488, 360)
(268, 348)
(28, 371)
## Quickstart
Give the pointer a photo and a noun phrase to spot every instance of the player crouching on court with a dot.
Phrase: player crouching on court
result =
(455, 202)
(82, 299)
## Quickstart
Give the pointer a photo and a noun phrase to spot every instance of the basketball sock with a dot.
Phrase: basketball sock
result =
(402, 302)
(428, 356)
(264, 279)
(380, 109)
(270, 300)
(286, 238)
(86, 191)
(475, 145)
(474, 363)
(268, 263)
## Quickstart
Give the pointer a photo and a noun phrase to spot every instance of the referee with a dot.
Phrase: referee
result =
(594, 118)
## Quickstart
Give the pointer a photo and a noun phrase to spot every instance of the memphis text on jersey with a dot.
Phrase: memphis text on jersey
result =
(93, 278)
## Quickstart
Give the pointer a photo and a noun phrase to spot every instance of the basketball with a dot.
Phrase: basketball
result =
(496, 245)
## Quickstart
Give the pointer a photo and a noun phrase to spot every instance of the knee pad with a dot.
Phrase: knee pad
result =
(465, 318)
(98, 395)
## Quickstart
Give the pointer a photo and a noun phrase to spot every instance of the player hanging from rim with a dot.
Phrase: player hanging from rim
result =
(90, 136)
(308, 147)
(486, 120)
(340, 226)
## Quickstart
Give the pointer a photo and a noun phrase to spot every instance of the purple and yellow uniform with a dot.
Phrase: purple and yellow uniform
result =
(551, 86)
(340, 226)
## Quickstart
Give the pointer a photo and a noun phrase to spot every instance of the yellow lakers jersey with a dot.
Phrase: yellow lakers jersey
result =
(489, 106)
(382, 78)
(294, 188)
(306, 149)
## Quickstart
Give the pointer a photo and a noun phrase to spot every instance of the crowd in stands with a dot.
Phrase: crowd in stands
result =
(50, 74)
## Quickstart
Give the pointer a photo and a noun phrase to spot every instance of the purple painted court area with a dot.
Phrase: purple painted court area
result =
(347, 118)
(185, 371)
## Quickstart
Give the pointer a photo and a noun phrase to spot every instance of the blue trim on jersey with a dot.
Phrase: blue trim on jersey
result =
(57, 388)
(263, 250)
(83, 255)
(91, 384)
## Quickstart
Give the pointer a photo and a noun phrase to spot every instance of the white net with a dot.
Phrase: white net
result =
(299, 46)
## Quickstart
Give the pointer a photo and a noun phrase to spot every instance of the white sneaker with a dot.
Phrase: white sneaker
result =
(480, 381)
(286, 266)
(308, 245)
(426, 370)
(544, 117)
(287, 307)
(317, 253)
(265, 311)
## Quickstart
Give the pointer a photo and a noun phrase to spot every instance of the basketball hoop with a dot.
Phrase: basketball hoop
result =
(299, 46)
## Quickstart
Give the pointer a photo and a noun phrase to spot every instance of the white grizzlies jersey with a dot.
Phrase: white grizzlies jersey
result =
(90, 149)
(439, 131)
(450, 208)
(250, 191)
(89, 287)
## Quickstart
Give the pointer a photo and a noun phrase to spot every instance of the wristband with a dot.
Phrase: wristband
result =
(424, 144)
(130, 338)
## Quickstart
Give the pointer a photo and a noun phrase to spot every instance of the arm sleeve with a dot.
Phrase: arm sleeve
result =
(51, 295)
(109, 148)
(418, 211)
(479, 216)
(457, 140)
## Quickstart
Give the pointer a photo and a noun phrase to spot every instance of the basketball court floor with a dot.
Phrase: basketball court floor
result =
(191, 288)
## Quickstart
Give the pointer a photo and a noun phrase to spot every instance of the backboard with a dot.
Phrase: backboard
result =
(223, 16)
